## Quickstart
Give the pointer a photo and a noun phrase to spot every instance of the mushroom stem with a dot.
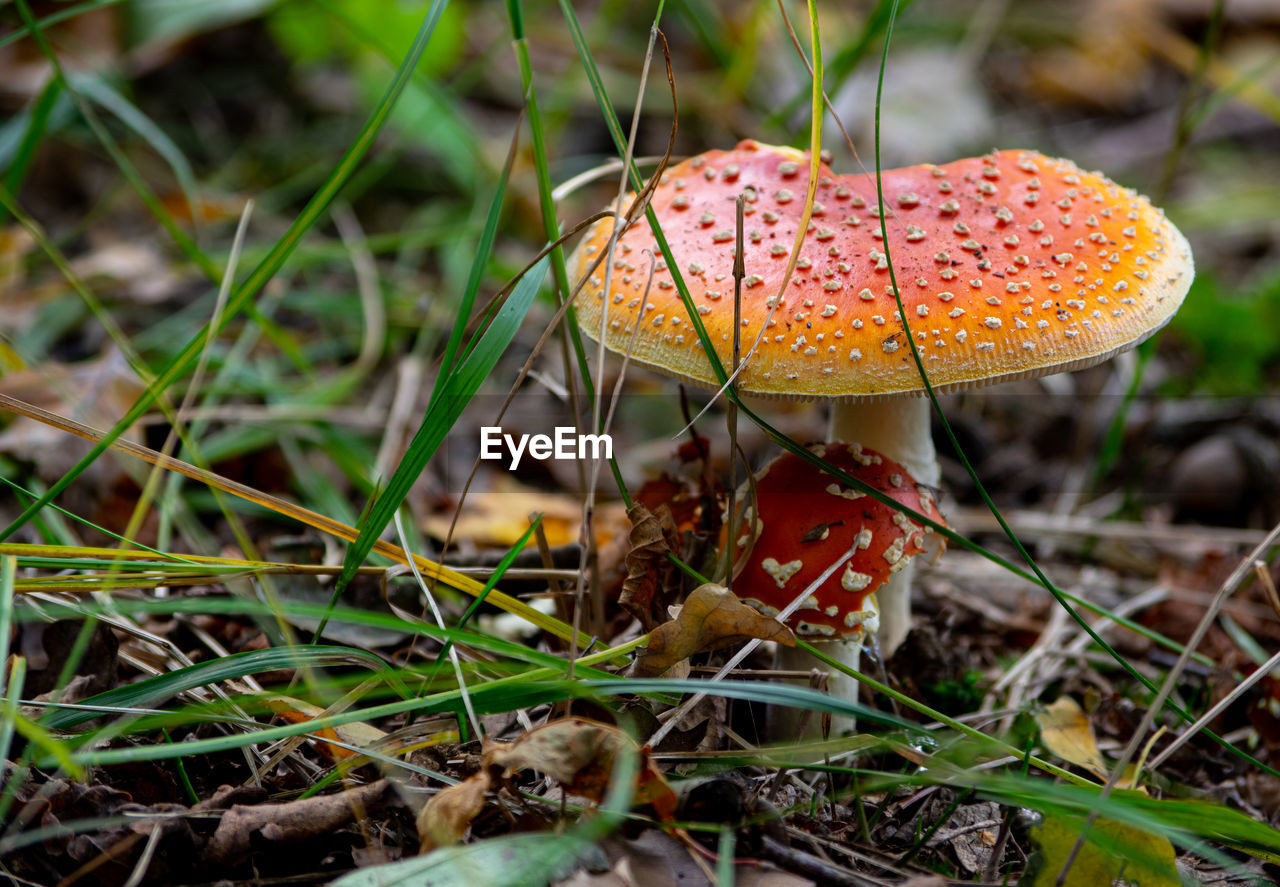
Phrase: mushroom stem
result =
(895, 609)
(899, 429)
(783, 721)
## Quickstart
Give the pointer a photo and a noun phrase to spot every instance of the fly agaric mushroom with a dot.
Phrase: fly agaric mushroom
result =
(805, 522)
(1010, 266)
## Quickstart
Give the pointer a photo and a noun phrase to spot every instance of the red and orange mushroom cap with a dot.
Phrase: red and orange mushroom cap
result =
(1009, 265)
(807, 521)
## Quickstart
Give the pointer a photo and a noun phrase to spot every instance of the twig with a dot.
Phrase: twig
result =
(812, 866)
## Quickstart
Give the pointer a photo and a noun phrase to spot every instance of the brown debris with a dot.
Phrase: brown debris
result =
(653, 536)
(712, 617)
(576, 752)
(243, 827)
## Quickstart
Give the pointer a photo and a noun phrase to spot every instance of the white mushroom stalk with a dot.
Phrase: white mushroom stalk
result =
(900, 429)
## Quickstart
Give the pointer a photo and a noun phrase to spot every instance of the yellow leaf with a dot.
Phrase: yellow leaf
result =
(1066, 731)
(1113, 852)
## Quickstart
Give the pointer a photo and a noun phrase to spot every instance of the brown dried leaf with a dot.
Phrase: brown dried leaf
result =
(579, 754)
(653, 535)
(447, 816)
(712, 617)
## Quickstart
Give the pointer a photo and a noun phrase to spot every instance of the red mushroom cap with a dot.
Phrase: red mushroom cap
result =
(1010, 265)
(808, 520)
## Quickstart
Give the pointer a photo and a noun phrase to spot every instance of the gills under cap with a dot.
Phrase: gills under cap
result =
(1010, 265)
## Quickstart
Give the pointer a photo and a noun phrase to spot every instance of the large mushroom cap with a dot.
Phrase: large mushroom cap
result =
(807, 521)
(1010, 265)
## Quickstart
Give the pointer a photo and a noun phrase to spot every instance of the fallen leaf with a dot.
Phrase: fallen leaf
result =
(1112, 853)
(712, 617)
(579, 754)
(652, 537)
(357, 733)
(1066, 731)
(498, 517)
(576, 752)
(447, 816)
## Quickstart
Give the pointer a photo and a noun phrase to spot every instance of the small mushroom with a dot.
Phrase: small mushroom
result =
(805, 523)
(1009, 266)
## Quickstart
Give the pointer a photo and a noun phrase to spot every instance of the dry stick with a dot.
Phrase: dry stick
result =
(731, 410)
(831, 109)
(608, 168)
(1264, 577)
(626, 358)
(427, 592)
(1148, 717)
(550, 573)
(591, 476)
(1268, 586)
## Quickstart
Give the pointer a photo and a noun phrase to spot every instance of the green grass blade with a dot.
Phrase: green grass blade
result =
(510, 650)
(539, 857)
(462, 383)
(542, 168)
(151, 691)
(37, 119)
(96, 88)
(502, 694)
(8, 572)
(484, 249)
